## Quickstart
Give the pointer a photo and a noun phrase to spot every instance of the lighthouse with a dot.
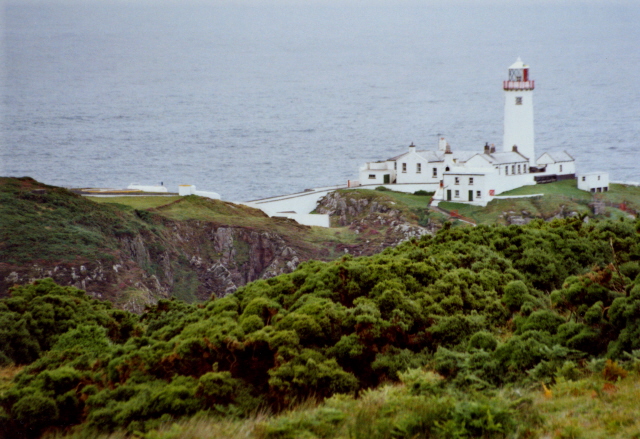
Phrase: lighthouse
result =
(518, 111)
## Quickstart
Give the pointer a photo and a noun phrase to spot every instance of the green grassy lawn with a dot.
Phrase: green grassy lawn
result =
(562, 195)
(411, 200)
(140, 202)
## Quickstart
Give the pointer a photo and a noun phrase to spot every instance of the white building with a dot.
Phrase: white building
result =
(472, 176)
(594, 181)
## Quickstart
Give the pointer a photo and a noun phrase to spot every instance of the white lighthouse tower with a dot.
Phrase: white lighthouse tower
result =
(518, 111)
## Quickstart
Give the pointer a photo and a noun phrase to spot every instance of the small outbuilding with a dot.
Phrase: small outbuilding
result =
(593, 181)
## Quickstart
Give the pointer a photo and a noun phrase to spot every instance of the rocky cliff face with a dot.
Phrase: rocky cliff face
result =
(373, 215)
(192, 260)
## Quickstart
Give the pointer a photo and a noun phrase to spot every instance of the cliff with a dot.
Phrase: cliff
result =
(190, 248)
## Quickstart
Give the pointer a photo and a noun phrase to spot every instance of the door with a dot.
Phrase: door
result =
(387, 178)
(448, 194)
(470, 195)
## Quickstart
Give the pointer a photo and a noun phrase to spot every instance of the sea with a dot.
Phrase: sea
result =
(253, 99)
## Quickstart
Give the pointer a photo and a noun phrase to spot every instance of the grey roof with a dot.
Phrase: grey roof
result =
(431, 156)
(559, 156)
(499, 158)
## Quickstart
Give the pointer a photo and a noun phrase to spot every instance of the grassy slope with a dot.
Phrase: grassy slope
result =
(564, 193)
(48, 223)
(315, 240)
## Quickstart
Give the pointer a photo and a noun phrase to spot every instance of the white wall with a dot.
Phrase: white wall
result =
(405, 187)
(560, 168)
(378, 171)
(307, 219)
(518, 123)
(300, 203)
(147, 188)
(594, 181)
(411, 175)
(460, 184)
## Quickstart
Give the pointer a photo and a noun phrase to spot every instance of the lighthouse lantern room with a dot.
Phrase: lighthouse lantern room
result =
(518, 111)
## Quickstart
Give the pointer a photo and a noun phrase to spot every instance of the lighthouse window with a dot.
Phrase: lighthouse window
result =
(478, 194)
(395, 166)
(584, 178)
(560, 168)
(518, 169)
(506, 170)
(457, 194)
(404, 167)
(418, 168)
(470, 180)
(457, 180)
(518, 100)
(435, 172)
(513, 169)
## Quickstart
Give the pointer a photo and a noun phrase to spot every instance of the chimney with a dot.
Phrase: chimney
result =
(442, 144)
(412, 147)
(487, 148)
(493, 148)
(447, 149)
(515, 148)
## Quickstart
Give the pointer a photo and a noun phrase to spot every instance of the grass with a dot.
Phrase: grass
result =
(140, 202)
(410, 200)
(47, 223)
(563, 196)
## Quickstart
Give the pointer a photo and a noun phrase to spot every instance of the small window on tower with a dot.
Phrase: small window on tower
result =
(470, 180)
(435, 172)
(518, 100)
(418, 168)
(457, 181)
(404, 167)
(395, 166)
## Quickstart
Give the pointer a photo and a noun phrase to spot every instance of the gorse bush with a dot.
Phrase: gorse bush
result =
(473, 309)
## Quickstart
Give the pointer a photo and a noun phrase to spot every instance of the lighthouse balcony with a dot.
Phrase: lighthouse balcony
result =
(518, 85)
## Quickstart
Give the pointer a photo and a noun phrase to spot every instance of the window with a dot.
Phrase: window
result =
(519, 169)
(418, 168)
(457, 194)
(518, 100)
(478, 194)
(584, 178)
(457, 180)
(395, 166)
(598, 177)
(404, 167)
(560, 168)
(435, 173)
(513, 169)
(506, 170)
(470, 180)
(605, 189)
(372, 176)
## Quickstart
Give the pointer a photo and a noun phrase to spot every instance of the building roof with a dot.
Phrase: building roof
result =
(501, 158)
(557, 156)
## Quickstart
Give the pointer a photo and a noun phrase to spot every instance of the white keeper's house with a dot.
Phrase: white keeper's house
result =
(476, 177)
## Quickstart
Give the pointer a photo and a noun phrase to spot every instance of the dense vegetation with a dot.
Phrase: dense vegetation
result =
(458, 318)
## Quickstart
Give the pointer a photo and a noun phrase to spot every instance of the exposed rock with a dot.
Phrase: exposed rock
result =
(375, 218)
